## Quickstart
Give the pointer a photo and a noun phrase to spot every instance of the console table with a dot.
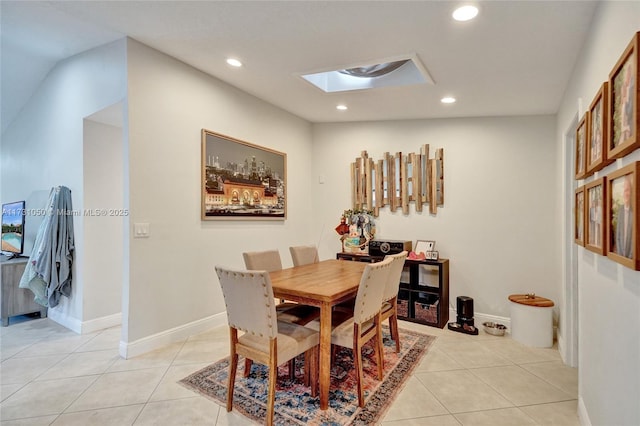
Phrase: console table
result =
(13, 299)
(423, 296)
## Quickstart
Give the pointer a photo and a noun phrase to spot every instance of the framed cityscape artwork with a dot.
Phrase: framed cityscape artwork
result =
(622, 216)
(595, 230)
(241, 181)
(578, 216)
(598, 125)
(623, 102)
(581, 147)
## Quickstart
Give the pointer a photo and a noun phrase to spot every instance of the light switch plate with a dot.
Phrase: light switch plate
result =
(140, 230)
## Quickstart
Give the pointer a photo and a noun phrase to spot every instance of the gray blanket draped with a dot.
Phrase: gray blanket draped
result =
(48, 272)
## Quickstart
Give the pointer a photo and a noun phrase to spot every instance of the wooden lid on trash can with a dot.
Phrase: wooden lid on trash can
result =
(531, 300)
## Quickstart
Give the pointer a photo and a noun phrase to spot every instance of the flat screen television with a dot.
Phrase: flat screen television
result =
(13, 228)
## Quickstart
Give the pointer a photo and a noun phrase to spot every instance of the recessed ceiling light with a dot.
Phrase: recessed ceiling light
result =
(234, 62)
(448, 100)
(341, 107)
(465, 13)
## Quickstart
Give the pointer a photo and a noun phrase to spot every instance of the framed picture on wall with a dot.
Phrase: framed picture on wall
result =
(623, 102)
(595, 230)
(241, 181)
(578, 215)
(622, 215)
(581, 147)
(598, 125)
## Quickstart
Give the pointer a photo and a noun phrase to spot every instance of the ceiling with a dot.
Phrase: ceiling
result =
(515, 58)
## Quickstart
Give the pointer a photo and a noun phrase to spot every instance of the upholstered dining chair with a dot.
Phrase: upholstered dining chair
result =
(304, 255)
(248, 297)
(269, 260)
(365, 324)
(389, 308)
(295, 313)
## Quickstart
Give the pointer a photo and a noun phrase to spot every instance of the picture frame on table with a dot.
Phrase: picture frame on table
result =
(424, 246)
(432, 255)
(582, 135)
(241, 180)
(598, 131)
(595, 230)
(624, 118)
(622, 216)
(578, 216)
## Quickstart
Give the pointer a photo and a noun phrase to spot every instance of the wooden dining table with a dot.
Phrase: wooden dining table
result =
(324, 284)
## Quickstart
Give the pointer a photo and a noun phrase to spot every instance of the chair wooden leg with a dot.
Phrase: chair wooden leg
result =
(313, 370)
(292, 369)
(357, 363)
(233, 367)
(273, 376)
(393, 326)
(247, 367)
(379, 348)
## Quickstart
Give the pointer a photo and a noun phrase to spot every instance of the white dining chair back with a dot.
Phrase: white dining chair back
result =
(395, 273)
(365, 324)
(248, 297)
(267, 260)
(389, 308)
(304, 255)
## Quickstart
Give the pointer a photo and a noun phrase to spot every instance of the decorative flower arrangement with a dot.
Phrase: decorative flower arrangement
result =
(356, 229)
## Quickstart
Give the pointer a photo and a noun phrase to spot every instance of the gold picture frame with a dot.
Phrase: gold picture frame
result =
(623, 203)
(241, 181)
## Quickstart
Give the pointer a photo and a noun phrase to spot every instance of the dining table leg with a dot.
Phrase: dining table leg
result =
(325, 354)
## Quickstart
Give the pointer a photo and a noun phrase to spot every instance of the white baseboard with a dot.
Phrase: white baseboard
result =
(65, 320)
(84, 327)
(167, 337)
(101, 323)
(583, 416)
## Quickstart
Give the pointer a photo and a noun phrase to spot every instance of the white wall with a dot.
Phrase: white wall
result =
(103, 233)
(172, 279)
(609, 294)
(43, 146)
(499, 225)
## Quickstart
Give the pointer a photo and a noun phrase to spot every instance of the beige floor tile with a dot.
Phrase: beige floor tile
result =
(106, 339)
(117, 416)
(446, 420)
(518, 353)
(436, 360)
(33, 421)
(159, 358)
(554, 414)
(199, 351)
(231, 419)
(44, 398)
(24, 370)
(558, 374)
(519, 386)
(7, 390)
(169, 388)
(116, 389)
(472, 354)
(501, 417)
(414, 400)
(81, 364)
(187, 411)
(450, 388)
(219, 333)
(52, 346)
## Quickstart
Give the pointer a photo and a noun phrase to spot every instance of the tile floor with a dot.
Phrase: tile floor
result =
(52, 376)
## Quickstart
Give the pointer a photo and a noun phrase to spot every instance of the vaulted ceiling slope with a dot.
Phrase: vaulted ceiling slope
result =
(514, 58)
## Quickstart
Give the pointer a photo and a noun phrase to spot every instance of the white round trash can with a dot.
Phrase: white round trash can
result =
(532, 320)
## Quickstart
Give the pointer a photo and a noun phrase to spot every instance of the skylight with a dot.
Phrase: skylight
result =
(397, 72)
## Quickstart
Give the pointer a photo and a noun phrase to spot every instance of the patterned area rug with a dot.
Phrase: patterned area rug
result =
(294, 404)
